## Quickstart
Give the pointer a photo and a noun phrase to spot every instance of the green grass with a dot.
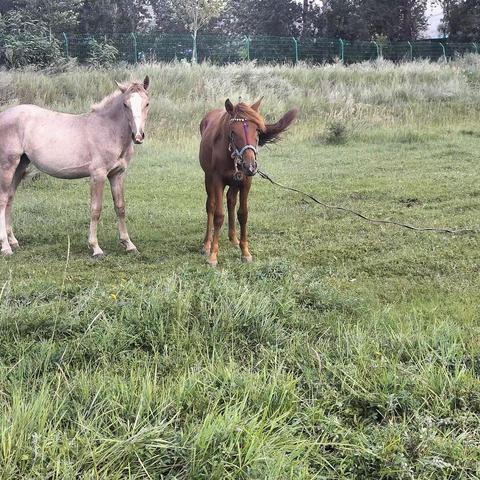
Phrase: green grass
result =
(346, 350)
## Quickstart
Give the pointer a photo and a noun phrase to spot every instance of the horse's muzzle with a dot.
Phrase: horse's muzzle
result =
(138, 138)
(250, 170)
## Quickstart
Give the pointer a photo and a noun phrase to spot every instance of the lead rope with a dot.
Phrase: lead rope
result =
(368, 219)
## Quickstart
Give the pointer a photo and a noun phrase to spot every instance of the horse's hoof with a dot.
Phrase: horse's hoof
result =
(133, 251)
(204, 252)
(248, 259)
(212, 263)
(6, 252)
(14, 245)
(98, 255)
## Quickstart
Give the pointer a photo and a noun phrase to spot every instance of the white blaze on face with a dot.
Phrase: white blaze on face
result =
(136, 106)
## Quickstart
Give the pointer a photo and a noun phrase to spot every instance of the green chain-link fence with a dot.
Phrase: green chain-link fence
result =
(155, 47)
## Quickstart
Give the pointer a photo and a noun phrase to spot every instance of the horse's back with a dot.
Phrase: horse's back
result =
(209, 126)
(51, 140)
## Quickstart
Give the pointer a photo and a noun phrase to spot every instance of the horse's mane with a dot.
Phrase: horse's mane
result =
(110, 99)
(242, 110)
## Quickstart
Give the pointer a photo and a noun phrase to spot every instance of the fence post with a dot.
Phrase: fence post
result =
(411, 51)
(295, 46)
(444, 51)
(247, 41)
(377, 46)
(66, 44)
(342, 50)
(135, 52)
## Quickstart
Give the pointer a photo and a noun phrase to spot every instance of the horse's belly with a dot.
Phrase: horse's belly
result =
(56, 144)
(58, 164)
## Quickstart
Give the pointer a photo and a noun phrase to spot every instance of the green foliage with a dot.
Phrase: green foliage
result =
(336, 133)
(114, 16)
(26, 41)
(100, 53)
(57, 15)
(462, 20)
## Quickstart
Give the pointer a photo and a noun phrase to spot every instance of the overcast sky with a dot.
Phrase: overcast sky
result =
(435, 14)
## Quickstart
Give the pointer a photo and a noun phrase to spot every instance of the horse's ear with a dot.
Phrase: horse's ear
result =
(229, 106)
(146, 82)
(256, 105)
(122, 88)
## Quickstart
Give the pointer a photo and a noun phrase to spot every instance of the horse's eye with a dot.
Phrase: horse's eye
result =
(125, 105)
(147, 105)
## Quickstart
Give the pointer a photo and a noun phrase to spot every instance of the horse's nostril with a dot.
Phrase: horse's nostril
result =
(143, 135)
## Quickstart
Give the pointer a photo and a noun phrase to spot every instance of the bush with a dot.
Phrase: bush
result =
(25, 41)
(101, 54)
(336, 133)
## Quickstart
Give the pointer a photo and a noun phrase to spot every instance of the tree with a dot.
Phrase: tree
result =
(461, 21)
(343, 19)
(394, 19)
(57, 15)
(114, 16)
(369, 19)
(262, 17)
(192, 15)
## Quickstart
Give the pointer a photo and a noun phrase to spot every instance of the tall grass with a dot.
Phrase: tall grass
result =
(345, 350)
(365, 95)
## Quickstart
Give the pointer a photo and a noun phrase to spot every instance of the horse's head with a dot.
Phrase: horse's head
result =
(136, 103)
(244, 129)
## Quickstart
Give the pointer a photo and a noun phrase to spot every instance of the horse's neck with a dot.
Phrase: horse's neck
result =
(114, 118)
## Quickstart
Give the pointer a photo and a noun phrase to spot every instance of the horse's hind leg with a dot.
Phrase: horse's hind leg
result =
(17, 178)
(210, 208)
(116, 184)
(8, 166)
(231, 202)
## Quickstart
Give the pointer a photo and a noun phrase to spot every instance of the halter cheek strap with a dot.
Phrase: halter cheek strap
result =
(236, 153)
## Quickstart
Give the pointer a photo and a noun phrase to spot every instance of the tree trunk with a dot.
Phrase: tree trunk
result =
(304, 17)
(194, 50)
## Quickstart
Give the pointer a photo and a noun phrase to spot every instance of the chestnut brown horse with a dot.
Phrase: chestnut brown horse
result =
(228, 156)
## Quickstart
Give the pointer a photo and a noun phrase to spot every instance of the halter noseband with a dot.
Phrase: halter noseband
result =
(237, 154)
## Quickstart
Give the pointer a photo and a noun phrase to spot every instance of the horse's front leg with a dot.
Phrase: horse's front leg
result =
(217, 222)
(116, 184)
(242, 219)
(97, 182)
(231, 202)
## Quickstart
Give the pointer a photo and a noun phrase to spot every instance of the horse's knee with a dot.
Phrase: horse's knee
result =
(242, 216)
(95, 214)
(120, 209)
(210, 206)
(218, 220)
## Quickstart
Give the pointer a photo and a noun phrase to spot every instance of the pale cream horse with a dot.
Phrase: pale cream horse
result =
(96, 145)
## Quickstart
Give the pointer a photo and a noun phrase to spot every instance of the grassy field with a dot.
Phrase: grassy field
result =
(345, 351)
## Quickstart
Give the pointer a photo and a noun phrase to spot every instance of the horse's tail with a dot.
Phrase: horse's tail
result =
(203, 125)
(31, 172)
